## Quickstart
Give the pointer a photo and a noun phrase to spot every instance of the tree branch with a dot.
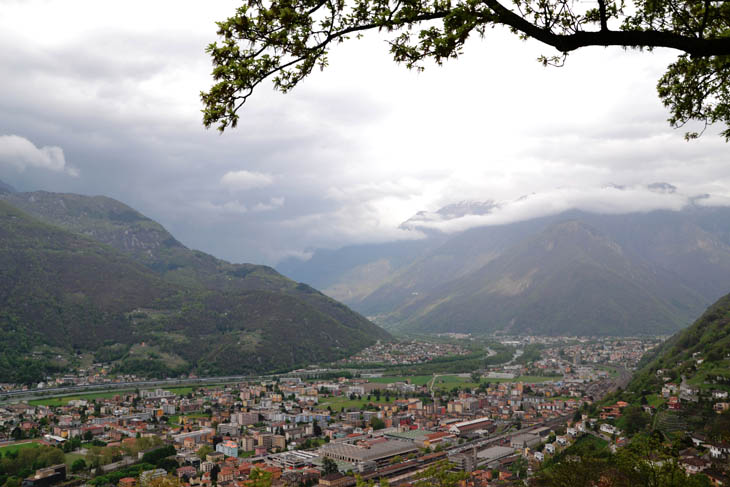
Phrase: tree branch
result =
(602, 14)
(628, 38)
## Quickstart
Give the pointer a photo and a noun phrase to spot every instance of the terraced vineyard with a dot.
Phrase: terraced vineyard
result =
(669, 422)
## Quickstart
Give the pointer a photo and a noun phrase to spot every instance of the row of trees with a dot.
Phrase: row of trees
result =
(18, 464)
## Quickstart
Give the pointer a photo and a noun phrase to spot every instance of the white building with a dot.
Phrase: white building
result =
(608, 429)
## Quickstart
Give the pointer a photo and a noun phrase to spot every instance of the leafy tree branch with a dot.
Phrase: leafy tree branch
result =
(284, 40)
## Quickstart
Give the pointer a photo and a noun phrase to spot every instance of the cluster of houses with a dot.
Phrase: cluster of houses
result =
(405, 353)
(94, 374)
(676, 394)
(606, 350)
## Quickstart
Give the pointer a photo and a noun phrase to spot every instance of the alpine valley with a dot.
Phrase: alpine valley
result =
(572, 273)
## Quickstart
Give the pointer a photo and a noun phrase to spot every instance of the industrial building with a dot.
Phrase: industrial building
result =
(466, 427)
(381, 452)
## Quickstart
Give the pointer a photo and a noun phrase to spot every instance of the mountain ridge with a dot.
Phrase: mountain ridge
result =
(532, 288)
(64, 292)
(685, 250)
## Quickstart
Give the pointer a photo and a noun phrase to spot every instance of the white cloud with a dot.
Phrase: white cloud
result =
(345, 224)
(604, 200)
(226, 208)
(273, 204)
(242, 180)
(713, 200)
(236, 207)
(20, 152)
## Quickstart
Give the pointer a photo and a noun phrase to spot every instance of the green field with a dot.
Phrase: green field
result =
(180, 391)
(69, 459)
(446, 382)
(419, 380)
(338, 402)
(590, 443)
(19, 446)
(655, 400)
(72, 457)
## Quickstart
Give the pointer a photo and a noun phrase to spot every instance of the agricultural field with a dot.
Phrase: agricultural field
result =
(4, 450)
(446, 382)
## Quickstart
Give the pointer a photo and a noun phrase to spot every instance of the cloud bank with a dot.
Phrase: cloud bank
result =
(350, 154)
(21, 153)
(243, 180)
(610, 199)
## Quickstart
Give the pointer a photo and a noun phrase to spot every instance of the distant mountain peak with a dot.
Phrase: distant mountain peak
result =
(450, 212)
(467, 207)
(662, 188)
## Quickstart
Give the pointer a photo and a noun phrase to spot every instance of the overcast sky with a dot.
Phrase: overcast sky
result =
(102, 98)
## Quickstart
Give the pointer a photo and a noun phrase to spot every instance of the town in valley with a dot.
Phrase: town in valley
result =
(348, 426)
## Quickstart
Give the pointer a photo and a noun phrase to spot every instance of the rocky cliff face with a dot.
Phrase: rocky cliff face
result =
(104, 219)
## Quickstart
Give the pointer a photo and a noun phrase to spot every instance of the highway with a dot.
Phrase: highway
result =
(18, 395)
(120, 386)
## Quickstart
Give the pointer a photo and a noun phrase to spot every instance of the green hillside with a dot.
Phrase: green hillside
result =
(62, 294)
(117, 225)
(699, 354)
(569, 279)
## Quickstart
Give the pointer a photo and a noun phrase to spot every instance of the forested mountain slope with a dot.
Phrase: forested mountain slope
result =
(698, 355)
(63, 294)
